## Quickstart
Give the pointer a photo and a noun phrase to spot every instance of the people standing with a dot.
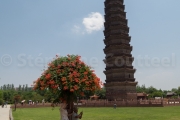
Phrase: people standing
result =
(2, 105)
(43, 102)
(63, 111)
(115, 105)
(75, 115)
(5, 104)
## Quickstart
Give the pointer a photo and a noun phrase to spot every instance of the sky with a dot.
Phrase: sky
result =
(33, 32)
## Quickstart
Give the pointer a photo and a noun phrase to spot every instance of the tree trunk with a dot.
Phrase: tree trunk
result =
(70, 109)
(15, 106)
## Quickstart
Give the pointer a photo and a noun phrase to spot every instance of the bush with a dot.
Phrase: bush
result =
(1, 101)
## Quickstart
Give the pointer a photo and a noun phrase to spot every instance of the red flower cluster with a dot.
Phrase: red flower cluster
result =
(68, 75)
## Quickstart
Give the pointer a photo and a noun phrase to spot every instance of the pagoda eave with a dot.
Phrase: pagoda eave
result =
(120, 84)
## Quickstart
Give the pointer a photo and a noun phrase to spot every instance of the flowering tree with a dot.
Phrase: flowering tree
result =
(67, 77)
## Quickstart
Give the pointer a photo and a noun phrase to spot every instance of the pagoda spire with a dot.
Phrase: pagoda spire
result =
(120, 82)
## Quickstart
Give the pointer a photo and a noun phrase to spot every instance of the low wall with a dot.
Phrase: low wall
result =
(31, 106)
(171, 102)
(105, 103)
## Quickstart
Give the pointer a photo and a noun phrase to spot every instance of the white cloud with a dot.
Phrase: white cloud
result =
(94, 22)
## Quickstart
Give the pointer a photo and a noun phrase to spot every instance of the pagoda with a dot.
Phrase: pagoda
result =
(120, 82)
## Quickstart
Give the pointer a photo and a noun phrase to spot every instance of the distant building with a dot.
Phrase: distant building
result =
(170, 94)
(142, 96)
(94, 97)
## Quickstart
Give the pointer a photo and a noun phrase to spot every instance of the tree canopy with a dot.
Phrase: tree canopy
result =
(67, 78)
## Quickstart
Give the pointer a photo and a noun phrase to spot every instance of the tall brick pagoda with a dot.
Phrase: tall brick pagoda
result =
(120, 82)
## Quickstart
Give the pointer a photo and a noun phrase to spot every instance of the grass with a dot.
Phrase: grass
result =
(124, 113)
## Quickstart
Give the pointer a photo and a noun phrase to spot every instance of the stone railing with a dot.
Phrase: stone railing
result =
(134, 103)
(171, 102)
(106, 103)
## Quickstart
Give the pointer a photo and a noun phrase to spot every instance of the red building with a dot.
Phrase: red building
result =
(142, 96)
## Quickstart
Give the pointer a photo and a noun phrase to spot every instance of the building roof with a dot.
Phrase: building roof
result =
(94, 96)
(171, 93)
(141, 94)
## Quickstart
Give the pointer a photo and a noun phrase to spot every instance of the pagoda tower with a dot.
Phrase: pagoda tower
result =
(120, 82)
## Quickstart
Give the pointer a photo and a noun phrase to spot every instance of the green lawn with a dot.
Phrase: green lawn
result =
(125, 113)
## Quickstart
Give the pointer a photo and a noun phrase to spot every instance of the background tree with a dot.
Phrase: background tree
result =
(26, 88)
(1, 97)
(19, 88)
(4, 87)
(101, 93)
(141, 89)
(23, 88)
(16, 100)
(178, 92)
(157, 94)
(12, 87)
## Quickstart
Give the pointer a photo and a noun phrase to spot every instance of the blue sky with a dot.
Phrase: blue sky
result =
(33, 32)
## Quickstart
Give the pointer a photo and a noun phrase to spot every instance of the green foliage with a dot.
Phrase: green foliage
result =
(8, 93)
(101, 93)
(174, 90)
(140, 89)
(151, 91)
(1, 101)
(1, 94)
(1, 97)
(157, 94)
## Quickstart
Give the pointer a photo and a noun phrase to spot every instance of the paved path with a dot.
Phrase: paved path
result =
(4, 112)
